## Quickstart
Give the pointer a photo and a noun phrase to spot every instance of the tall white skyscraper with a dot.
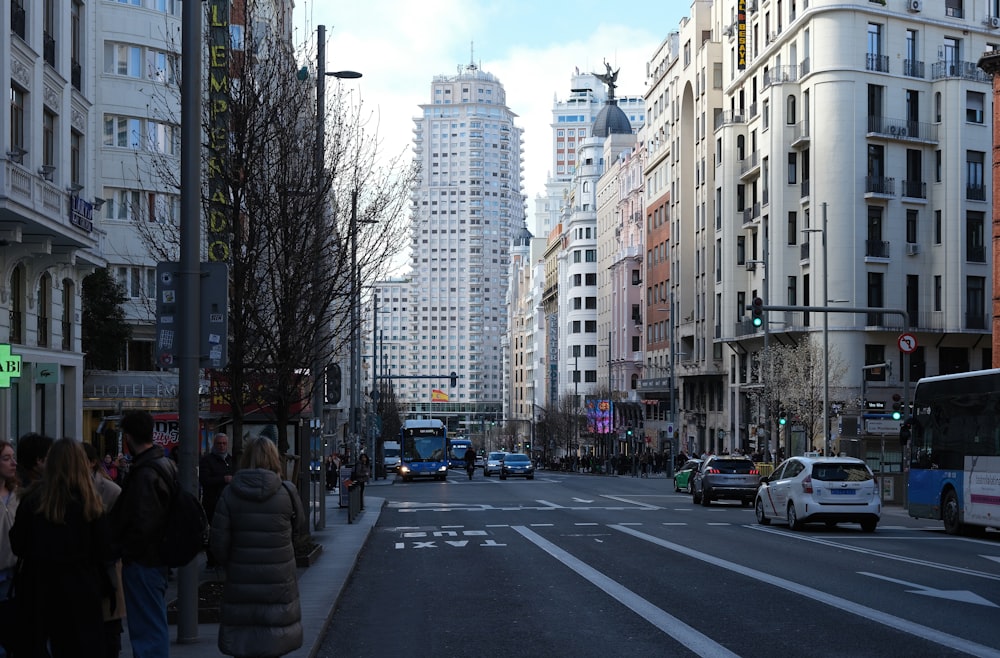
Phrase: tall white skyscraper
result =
(466, 207)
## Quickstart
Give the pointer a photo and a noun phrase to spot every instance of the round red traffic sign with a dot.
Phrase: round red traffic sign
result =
(907, 343)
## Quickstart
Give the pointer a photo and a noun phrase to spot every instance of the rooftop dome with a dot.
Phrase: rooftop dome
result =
(523, 237)
(611, 120)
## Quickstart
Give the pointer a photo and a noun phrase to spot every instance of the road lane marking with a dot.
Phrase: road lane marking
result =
(625, 499)
(896, 623)
(881, 554)
(675, 628)
(961, 595)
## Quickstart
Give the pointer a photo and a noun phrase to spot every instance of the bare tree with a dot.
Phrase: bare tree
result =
(290, 225)
(789, 378)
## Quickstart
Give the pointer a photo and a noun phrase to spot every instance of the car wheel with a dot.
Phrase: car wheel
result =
(949, 513)
(706, 497)
(831, 524)
(868, 525)
(676, 488)
(793, 518)
(503, 477)
(531, 477)
(758, 510)
(695, 496)
(690, 487)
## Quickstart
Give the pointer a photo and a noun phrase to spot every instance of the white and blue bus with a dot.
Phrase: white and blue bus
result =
(456, 452)
(954, 439)
(424, 449)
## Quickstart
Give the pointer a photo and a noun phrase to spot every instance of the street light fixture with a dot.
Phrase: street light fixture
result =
(318, 366)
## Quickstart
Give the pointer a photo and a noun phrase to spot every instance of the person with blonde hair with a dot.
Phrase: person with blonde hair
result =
(254, 526)
(63, 539)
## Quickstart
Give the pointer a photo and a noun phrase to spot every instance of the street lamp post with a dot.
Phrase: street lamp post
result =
(318, 366)
(826, 335)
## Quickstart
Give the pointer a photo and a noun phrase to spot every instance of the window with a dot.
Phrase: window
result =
(974, 103)
(43, 307)
(975, 251)
(75, 157)
(122, 59)
(974, 175)
(937, 292)
(591, 255)
(793, 168)
(911, 225)
(793, 227)
(48, 138)
(874, 354)
(975, 302)
(18, 100)
(122, 132)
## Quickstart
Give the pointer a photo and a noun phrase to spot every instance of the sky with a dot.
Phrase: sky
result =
(531, 46)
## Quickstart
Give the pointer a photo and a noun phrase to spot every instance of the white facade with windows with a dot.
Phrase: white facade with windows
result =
(466, 208)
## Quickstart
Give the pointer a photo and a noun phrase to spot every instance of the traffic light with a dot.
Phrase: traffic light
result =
(782, 417)
(454, 379)
(331, 392)
(897, 407)
(757, 312)
(527, 446)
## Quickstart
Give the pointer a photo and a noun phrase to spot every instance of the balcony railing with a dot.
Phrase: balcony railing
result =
(877, 248)
(975, 254)
(878, 63)
(76, 75)
(880, 185)
(913, 68)
(914, 189)
(975, 192)
(964, 70)
(976, 321)
(902, 129)
(67, 336)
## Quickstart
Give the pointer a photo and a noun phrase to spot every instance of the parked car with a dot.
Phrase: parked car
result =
(829, 490)
(493, 463)
(516, 464)
(682, 478)
(720, 477)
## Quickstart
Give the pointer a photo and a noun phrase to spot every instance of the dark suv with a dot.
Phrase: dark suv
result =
(725, 477)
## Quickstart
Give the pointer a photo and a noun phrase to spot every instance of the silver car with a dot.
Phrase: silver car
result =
(493, 461)
(732, 477)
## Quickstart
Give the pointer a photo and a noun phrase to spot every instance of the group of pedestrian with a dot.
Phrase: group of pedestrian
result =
(78, 552)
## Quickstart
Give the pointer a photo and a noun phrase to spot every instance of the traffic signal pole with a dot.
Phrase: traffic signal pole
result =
(854, 310)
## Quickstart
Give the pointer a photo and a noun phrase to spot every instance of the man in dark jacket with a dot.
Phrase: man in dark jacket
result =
(215, 471)
(138, 521)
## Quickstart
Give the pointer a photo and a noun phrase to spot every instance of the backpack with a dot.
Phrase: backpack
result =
(185, 532)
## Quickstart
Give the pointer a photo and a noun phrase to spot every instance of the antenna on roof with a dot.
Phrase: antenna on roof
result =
(472, 56)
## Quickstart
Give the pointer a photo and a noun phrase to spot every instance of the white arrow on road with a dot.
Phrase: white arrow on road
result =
(963, 596)
(581, 500)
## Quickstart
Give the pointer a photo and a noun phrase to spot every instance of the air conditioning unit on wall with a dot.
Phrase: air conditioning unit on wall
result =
(993, 22)
(912, 248)
(914, 5)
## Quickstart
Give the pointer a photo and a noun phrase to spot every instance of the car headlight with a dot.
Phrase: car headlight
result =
(443, 468)
(404, 469)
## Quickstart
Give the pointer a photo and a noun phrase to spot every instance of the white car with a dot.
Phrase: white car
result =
(493, 461)
(828, 490)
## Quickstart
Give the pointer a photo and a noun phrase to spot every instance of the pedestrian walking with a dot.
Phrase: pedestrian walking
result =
(8, 508)
(138, 520)
(254, 527)
(113, 606)
(31, 451)
(63, 540)
(361, 473)
(215, 471)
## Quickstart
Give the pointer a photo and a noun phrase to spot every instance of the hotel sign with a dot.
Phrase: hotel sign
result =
(81, 213)
(218, 229)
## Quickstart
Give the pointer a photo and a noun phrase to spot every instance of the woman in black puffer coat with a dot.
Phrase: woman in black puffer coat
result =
(255, 522)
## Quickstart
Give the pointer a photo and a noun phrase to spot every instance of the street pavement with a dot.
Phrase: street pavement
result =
(320, 584)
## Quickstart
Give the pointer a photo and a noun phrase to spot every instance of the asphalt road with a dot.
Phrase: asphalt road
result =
(579, 565)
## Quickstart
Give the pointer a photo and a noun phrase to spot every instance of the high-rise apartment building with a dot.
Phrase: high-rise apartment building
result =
(466, 209)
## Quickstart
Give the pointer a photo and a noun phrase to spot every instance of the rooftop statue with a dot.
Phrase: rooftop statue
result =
(609, 79)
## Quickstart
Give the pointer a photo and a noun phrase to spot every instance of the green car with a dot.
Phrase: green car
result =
(682, 478)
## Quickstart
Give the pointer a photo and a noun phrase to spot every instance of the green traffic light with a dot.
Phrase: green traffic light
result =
(758, 322)
(896, 415)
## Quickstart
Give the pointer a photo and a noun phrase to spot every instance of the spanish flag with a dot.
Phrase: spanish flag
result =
(437, 395)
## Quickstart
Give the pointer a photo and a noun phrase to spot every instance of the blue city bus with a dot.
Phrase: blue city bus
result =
(425, 449)
(456, 452)
(954, 439)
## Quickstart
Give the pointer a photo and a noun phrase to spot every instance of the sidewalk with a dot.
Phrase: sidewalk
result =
(320, 585)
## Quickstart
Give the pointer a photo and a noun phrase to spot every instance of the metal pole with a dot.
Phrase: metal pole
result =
(190, 291)
(826, 342)
(318, 367)
(673, 367)
(355, 334)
